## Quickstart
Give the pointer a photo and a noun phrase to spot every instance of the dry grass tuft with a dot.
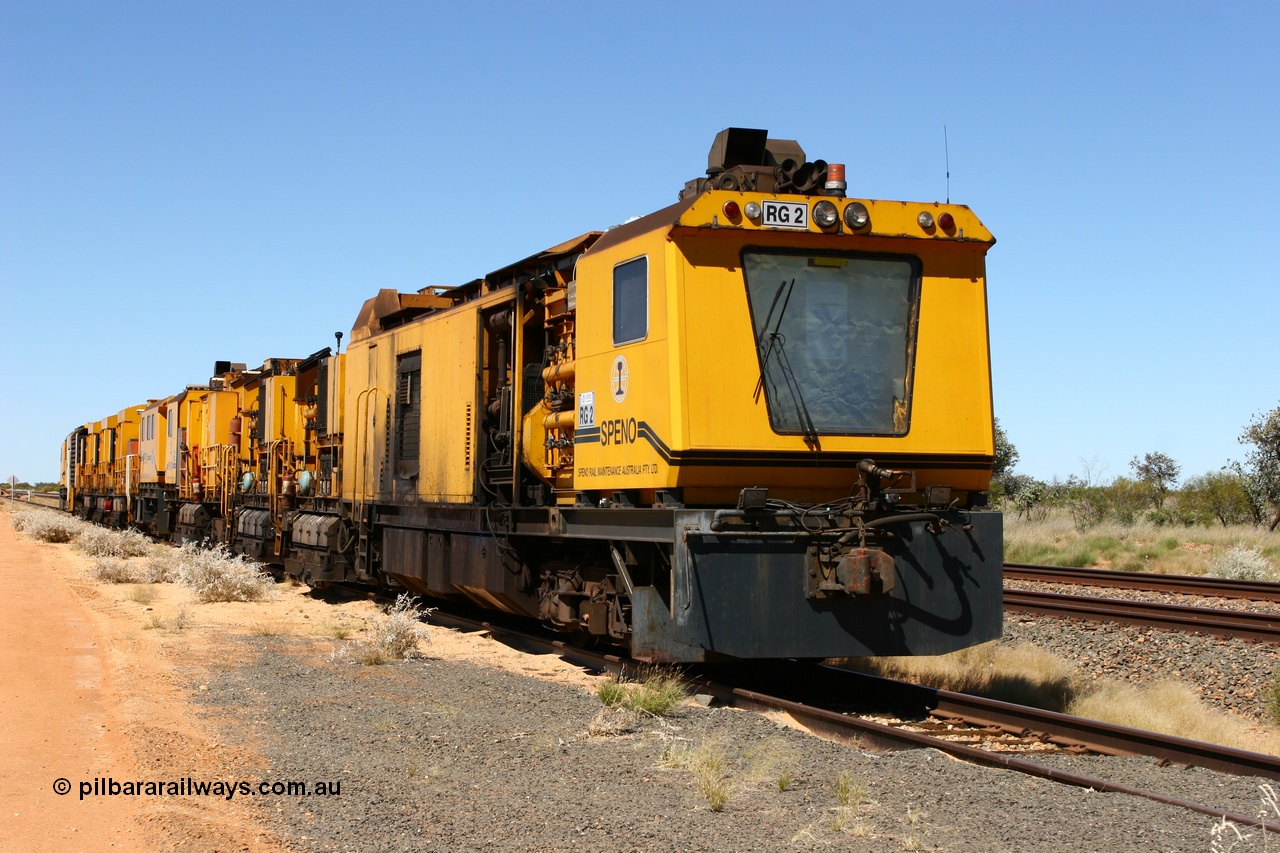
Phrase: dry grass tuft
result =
(773, 761)
(142, 595)
(914, 839)
(1173, 708)
(611, 692)
(213, 574)
(1030, 676)
(1054, 540)
(46, 526)
(614, 721)
(653, 692)
(112, 570)
(339, 629)
(1020, 673)
(656, 692)
(178, 622)
(713, 783)
(100, 542)
(848, 793)
(161, 567)
(709, 765)
(392, 638)
(1242, 563)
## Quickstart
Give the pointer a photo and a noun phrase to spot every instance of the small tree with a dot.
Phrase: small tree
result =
(1084, 499)
(1027, 495)
(1261, 471)
(1126, 499)
(1006, 454)
(1159, 471)
(1216, 496)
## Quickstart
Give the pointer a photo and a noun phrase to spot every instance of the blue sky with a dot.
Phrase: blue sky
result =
(187, 182)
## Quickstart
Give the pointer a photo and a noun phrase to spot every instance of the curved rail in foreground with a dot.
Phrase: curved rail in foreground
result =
(1148, 581)
(1241, 624)
(843, 727)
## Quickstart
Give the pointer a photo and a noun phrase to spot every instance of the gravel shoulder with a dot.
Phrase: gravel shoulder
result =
(476, 746)
(447, 755)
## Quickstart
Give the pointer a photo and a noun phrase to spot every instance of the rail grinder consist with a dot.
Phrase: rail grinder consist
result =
(754, 424)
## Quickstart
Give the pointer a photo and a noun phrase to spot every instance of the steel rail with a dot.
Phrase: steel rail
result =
(47, 499)
(1241, 624)
(1147, 581)
(1068, 731)
(849, 728)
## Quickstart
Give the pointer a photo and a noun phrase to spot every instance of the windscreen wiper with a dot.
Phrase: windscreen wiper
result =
(773, 336)
(779, 341)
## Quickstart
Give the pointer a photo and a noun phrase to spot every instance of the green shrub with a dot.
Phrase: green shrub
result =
(1079, 557)
(1038, 553)
(611, 692)
(1273, 700)
(656, 693)
(1171, 517)
(653, 692)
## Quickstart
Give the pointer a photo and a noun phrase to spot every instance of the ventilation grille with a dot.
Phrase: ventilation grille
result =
(467, 439)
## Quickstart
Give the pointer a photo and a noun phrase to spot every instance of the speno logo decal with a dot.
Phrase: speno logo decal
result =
(618, 376)
(618, 431)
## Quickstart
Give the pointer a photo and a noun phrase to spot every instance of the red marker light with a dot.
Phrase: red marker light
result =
(947, 222)
(731, 209)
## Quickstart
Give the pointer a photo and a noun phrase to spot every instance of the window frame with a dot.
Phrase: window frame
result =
(614, 331)
(915, 292)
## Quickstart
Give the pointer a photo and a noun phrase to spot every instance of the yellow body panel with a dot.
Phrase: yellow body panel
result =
(282, 419)
(153, 443)
(448, 394)
(175, 428)
(124, 467)
(448, 411)
(692, 381)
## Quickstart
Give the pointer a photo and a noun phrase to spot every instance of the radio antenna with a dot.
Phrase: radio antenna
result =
(946, 150)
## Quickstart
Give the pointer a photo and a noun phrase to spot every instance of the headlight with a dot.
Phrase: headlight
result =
(925, 219)
(825, 214)
(753, 211)
(856, 216)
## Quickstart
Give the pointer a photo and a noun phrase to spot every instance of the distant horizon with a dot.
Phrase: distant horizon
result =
(188, 184)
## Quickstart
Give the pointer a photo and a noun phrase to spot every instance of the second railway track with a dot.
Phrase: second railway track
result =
(1240, 624)
(1148, 581)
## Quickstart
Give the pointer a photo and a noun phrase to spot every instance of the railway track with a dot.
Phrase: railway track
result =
(948, 709)
(1240, 624)
(46, 499)
(1146, 581)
